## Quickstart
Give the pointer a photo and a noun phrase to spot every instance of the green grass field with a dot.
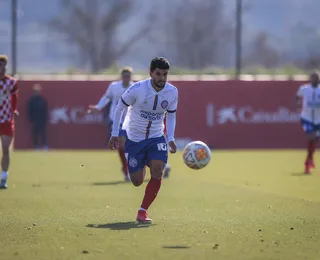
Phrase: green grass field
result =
(244, 205)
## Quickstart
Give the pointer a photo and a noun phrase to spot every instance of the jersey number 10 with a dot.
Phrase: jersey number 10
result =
(162, 147)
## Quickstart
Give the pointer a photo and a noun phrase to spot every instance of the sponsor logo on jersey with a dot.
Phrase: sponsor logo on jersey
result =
(151, 116)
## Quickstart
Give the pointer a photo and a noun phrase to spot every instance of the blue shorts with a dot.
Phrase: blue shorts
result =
(139, 154)
(309, 127)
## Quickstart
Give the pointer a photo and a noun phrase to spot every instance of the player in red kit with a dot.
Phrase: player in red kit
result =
(8, 108)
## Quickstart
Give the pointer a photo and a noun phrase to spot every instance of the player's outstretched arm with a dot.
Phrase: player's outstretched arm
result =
(104, 100)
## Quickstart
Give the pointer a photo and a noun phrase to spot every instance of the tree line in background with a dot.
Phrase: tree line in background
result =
(196, 34)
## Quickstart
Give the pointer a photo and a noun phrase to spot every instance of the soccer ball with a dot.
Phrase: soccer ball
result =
(196, 155)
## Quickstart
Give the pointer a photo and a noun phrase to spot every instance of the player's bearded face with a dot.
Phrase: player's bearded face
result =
(159, 77)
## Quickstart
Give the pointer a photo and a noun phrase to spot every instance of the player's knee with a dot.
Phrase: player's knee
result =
(137, 178)
(137, 183)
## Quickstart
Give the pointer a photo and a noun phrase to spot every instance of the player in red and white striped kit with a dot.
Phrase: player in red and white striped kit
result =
(8, 108)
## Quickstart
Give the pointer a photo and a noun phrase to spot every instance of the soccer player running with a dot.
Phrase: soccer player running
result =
(113, 95)
(148, 101)
(308, 101)
(8, 108)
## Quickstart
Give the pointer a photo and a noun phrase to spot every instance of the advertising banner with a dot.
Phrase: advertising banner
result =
(224, 114)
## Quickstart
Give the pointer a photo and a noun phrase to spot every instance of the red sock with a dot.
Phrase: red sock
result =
(123, 161)
(311, 149)
(151, 192)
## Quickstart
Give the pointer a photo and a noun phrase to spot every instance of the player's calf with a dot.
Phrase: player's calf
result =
(153, 187)
(312, 143)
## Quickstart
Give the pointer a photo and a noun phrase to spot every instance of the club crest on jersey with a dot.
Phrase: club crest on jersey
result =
(164, 104)
(133, 162)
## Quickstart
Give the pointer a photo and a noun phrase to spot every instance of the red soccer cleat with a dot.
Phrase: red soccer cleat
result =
(311, 164)
(142, 217)
(307, 168)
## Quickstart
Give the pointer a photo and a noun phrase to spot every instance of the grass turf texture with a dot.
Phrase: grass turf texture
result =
(244, 205)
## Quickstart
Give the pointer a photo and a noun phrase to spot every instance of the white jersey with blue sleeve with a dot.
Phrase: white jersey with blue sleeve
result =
(146, 111)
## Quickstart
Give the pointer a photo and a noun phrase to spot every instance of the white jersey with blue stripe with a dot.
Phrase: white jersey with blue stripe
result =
(147, 108)
(310, 103)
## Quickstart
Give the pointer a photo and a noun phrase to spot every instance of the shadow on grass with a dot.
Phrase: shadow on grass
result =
(176, 247)
(299, 174)
(120, 225)
(111, 183)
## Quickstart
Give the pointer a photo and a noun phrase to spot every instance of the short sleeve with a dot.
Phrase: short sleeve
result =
(174, 104)
(129, 97)
(300, 92)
